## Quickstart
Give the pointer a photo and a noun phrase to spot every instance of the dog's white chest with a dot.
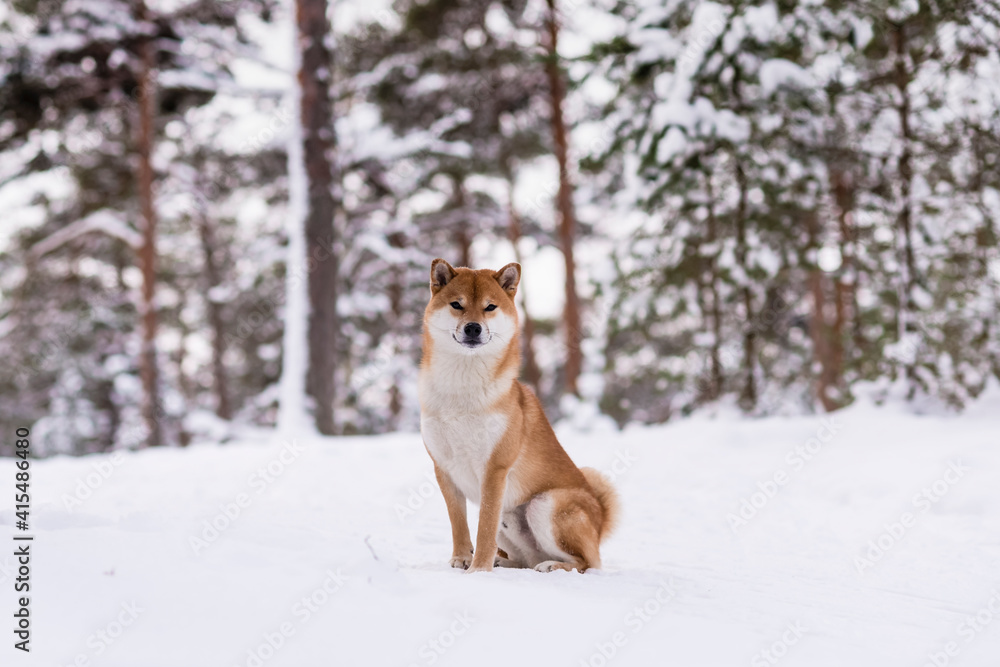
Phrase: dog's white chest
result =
(462, 445)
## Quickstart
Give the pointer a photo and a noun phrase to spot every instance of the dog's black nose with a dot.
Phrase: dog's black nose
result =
(473, 329)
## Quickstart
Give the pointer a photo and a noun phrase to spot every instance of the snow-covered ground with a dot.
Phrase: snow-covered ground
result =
(879, 544)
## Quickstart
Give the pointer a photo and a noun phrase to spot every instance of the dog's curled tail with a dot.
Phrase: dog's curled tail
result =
(607, 498)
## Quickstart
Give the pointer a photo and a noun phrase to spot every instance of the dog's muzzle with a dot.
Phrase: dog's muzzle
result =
(471, 335)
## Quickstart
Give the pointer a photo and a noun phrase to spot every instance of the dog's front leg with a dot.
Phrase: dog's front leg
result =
(454, 499)
(494, 483)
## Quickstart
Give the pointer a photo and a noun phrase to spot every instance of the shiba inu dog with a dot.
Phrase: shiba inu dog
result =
(490, 440)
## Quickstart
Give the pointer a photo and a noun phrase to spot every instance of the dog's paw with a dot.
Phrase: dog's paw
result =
(462, 562)
(485, 567)
(550, 565)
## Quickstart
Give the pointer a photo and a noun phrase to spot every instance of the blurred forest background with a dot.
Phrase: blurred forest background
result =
(777, 206)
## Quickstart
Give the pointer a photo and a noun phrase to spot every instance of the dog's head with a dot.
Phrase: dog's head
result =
(472, 312)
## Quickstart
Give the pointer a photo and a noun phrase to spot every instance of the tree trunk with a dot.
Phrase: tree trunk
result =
(819, 330)
(464, 247)
(532, 374)
(213, 279)
(748, 396)
(184, 383)
(461, 230)
(106, 404)
(567, 215)
(318, 143)
(845, 285)
(714, 389)
(396, 307)
(148, 370)
(905, 221)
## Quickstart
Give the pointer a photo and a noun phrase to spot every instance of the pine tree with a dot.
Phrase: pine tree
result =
(81, 78)
(717, 265)
(465, 106)
(926, 171)
(786, 130)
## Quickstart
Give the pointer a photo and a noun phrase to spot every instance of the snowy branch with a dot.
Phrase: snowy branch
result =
(103, 221)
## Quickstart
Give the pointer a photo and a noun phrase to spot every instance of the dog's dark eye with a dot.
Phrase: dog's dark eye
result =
(490, 308)
(456, 305)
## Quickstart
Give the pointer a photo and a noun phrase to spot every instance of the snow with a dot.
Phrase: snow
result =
(866, 538)
(191, 79)
(778, 72)
(761, 21)
(104, 221)
(671, 144)
(905, 9)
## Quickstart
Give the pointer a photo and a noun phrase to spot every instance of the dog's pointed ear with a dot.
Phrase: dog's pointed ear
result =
(509, 277)
(441, 274)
